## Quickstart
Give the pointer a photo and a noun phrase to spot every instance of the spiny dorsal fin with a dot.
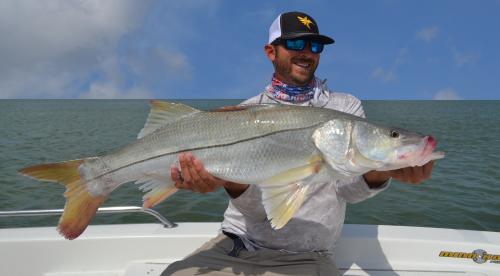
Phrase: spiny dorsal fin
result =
(162, 113)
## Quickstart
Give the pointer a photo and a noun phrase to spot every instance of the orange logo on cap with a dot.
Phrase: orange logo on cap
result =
(306, 21)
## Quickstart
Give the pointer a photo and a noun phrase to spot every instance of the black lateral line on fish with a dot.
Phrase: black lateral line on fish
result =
(199, 148)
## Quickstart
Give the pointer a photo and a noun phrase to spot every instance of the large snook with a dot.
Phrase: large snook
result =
(274, 146)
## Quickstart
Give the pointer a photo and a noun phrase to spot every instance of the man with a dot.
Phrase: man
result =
(249, 245)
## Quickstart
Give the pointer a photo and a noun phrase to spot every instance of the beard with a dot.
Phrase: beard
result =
(291, 73)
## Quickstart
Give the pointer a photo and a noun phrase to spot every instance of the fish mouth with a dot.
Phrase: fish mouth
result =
(430, 145)
(427, 145)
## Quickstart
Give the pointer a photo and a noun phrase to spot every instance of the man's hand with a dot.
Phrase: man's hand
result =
(412, 175)
(193, 176)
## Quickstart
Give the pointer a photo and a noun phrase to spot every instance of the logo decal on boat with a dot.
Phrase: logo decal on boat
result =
(479, 256)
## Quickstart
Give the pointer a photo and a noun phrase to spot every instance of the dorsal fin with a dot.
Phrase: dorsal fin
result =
(162, 113)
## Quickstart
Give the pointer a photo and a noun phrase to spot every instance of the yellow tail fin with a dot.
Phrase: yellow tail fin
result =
(80, 206)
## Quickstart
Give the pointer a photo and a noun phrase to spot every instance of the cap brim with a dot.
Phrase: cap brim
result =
(317, 37)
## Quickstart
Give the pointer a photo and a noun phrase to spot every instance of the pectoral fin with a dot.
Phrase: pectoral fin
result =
(284, 193)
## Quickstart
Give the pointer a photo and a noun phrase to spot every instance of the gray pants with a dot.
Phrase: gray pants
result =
(213, 259)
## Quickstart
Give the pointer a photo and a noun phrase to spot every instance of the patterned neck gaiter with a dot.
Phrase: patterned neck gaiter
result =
(290, 93)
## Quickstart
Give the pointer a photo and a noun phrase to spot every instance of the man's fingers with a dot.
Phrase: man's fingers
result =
(197, 182)
(428, 169)
(401, 175)
(200, 170)
(190, 174)
(414, 175)
(183, 178)
(175, 174)
(417, 175)
(397, 174)
(211, 182)
(185, 162)
(193, 176)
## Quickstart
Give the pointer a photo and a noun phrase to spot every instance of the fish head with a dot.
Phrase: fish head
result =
(392, 148)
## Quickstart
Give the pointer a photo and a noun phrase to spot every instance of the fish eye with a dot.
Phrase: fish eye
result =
(394, 134)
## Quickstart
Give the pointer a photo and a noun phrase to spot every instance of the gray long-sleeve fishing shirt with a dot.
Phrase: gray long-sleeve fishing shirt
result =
(317, 224)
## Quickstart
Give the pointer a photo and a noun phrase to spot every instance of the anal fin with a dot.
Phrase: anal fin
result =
(158, 188)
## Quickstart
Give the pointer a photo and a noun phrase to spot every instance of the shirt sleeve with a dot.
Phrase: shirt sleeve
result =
(352, 105)
(254, 100)
(249, 203)
(356, 190)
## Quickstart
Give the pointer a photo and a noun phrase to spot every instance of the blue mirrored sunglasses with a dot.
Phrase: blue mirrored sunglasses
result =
(300, 44)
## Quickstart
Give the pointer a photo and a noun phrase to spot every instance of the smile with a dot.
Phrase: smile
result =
(303, 64)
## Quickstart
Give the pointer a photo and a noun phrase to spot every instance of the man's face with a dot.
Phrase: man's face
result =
(293, 67)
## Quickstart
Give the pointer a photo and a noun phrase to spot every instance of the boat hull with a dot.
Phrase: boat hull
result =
(146, 249)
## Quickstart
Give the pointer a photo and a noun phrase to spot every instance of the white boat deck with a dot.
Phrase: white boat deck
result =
(146, 249)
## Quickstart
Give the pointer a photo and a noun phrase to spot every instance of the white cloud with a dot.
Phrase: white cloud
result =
(382, 74)
(427, 34)
(389, 74)
(158, 63)
(108, 90)
(447, 94)
(112, 86)
(48, 47)
(94, 48)
(147, 66)
(461, 58)
(401, 57)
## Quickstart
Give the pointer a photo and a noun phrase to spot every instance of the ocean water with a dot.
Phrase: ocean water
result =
(464, 191)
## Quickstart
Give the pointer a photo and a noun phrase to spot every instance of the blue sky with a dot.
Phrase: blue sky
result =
(214, 49)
